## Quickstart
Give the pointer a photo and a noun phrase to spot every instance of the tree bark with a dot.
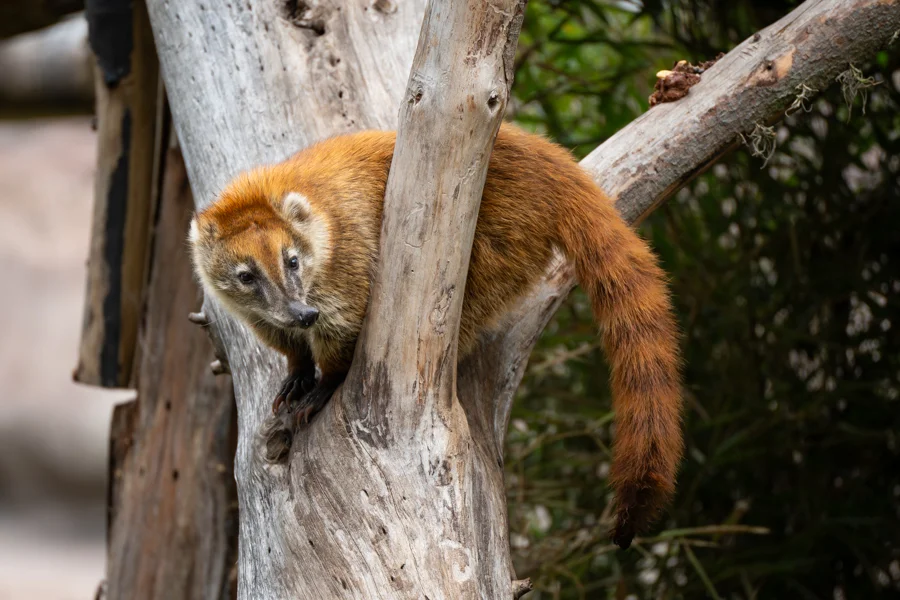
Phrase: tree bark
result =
(362, 508)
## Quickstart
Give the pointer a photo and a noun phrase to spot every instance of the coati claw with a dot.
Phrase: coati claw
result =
(198, 318)
(296, 385)
(281, 397)
(303, 396)
(302, 416)
(312, 402)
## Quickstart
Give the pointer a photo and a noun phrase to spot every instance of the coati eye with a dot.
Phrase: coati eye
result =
(246, 277)
(293, 263)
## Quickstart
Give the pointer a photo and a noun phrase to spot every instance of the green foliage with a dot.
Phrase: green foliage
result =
(786, 279)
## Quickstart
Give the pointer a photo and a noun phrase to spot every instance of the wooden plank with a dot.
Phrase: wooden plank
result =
(174, 526)
(127, 86)
(121, 440)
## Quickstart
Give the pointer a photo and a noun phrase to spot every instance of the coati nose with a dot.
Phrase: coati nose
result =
(304, 314)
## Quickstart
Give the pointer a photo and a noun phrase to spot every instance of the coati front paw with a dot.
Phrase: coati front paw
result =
(294, 387)
(303, 397)
(308, 405)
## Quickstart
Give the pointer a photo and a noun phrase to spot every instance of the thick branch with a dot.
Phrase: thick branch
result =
(649, 160)
(454, 103)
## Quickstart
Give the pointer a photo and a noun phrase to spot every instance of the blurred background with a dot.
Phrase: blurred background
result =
(53, 432)
(785, 273)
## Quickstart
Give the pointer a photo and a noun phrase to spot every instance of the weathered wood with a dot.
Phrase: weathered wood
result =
(251, 82)
(21, 16)
(449, 118)
(273, 77)
(121, 441)
(173, 533)
(49, 70)
(128, 102)
(399, 400)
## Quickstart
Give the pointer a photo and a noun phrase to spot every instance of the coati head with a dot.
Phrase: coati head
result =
(259, 252)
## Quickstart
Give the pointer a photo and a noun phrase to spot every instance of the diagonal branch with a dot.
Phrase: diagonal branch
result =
(649, 160)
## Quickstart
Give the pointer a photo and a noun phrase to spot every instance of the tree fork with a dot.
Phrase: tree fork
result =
(326, 523)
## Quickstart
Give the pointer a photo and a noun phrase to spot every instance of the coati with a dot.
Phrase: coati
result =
(291, 248)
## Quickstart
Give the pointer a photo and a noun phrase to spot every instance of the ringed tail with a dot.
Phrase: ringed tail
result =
(640, 338)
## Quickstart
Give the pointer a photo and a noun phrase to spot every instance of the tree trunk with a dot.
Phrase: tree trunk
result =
(395, 490)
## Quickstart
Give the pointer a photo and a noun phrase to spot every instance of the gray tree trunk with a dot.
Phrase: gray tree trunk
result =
(390, 494)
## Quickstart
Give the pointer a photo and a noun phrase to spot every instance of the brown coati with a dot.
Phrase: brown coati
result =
(290, 248)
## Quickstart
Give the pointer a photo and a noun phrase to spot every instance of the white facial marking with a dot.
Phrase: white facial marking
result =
(194, 233)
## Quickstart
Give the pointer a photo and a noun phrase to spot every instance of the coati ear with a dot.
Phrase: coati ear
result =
(201, 231)
(194, 233)
(295, 207)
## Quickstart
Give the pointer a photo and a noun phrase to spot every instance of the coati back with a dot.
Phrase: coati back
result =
(291, 249)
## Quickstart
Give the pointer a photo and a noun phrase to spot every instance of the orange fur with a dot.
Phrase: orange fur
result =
(535, 198)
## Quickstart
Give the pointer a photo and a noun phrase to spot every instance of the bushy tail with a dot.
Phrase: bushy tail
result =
(640, 338)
